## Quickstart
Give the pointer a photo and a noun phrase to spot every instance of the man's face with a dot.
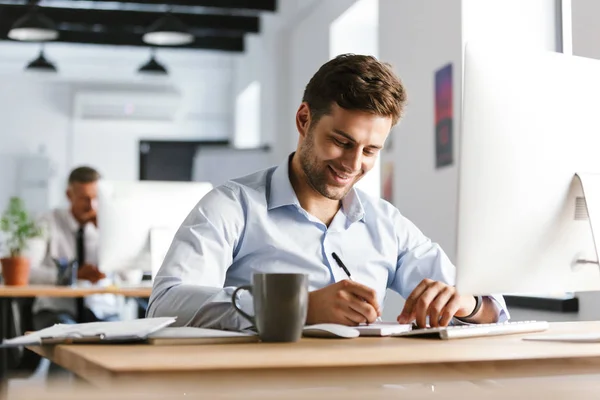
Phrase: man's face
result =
(83, 200)
(340, 148)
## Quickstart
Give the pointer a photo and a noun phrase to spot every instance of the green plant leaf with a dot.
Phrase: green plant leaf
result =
(18, 226)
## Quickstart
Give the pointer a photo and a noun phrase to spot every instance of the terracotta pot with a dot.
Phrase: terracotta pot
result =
(15, 271)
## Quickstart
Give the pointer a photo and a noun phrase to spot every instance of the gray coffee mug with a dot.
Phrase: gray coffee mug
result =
(280, 305)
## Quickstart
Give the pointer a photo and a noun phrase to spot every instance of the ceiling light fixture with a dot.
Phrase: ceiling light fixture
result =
(153, 67)
(33, 27)
(168, 31)
(41, 64)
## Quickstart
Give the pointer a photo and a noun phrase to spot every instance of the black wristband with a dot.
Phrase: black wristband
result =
(478, 303)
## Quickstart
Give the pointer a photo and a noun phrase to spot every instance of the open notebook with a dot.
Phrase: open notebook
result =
(343, 331)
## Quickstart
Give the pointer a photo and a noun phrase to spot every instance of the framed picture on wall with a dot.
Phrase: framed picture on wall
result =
(444, 140)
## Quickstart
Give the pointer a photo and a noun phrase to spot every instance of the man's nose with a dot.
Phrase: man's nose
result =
(353, 160)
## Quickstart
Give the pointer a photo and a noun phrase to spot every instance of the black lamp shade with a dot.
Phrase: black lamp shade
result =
(33, 27)
(168, 31)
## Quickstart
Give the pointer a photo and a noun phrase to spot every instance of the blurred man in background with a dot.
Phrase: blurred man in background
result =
(72, 235)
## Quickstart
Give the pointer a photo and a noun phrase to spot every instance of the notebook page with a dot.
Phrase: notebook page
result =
(382, 328)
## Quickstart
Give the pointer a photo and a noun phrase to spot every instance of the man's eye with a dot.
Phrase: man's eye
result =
(339, 142)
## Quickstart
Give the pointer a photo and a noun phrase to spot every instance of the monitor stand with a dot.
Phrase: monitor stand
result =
(589, 186)
(582, 204)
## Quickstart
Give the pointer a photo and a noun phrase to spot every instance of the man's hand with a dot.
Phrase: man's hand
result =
(437, 300)
(345, 302)
(90, 273)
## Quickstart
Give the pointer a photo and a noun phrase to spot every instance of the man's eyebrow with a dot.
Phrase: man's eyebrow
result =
(350, 138)
(344, 134)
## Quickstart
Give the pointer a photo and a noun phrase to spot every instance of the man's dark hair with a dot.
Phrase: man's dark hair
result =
(355, 82)
(83, 175)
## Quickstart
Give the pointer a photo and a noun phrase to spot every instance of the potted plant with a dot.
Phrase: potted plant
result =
(17, 228)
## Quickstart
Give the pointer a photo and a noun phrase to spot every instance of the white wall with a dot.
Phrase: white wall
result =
(247, 117)
(37, 112)
(35, 119)
(418, 38)
(531, 23)
(356, 30)
(586, 30)
(267, 60)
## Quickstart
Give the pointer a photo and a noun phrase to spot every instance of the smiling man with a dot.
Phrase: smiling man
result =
(292, 217)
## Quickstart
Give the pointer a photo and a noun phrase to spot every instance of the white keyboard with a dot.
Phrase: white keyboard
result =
(479, 330)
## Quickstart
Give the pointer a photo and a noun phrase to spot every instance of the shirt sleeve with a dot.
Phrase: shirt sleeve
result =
(43, 270)
(190, 283)
(419, 258)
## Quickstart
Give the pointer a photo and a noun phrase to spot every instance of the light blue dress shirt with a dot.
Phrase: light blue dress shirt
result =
(256, 224)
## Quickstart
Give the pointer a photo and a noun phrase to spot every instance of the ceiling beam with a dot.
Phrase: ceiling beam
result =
(233, 44)
(141, 20)
(257, 5)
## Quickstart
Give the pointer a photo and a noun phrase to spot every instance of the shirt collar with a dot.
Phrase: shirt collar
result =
(73, 224)
(353, 207)
(281, 190)
(281, 193)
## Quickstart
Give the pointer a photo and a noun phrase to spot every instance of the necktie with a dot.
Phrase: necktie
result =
(80, 247)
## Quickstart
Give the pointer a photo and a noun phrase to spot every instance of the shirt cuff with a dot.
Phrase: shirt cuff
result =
(501, 304)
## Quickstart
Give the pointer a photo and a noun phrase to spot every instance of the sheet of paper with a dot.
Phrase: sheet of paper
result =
(567, 337)
(189, 332)
(382, 328)
(28, 340)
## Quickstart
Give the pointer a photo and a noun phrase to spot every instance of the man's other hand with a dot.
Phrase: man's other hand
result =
(436, 300)
(90, 273)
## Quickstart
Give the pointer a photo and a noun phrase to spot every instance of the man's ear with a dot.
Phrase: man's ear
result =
(303, 119)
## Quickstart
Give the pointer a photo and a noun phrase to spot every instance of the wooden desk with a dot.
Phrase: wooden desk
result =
(67, 291)
(8, 293)
(327, 362)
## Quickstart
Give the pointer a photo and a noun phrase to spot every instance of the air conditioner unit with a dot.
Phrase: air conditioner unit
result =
(126, 105)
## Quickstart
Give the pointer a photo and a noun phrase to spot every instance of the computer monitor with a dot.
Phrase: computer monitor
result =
(137, 221)
(529, 125)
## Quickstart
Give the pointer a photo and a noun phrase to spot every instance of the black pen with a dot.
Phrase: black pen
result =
(341, 264)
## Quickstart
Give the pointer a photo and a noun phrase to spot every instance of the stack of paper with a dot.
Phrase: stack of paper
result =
(190, 335)
(133, 330)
